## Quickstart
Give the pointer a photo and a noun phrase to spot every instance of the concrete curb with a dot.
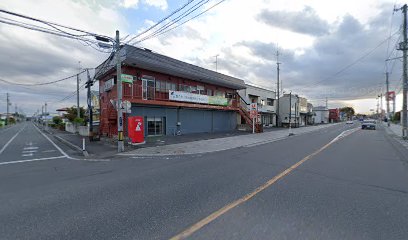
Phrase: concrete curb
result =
(71, 145)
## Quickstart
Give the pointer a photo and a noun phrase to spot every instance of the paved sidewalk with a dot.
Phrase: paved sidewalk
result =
(74, 141)
(395, 130)
(220, 144)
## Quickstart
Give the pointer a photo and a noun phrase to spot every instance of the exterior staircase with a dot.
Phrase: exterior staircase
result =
(243, 111)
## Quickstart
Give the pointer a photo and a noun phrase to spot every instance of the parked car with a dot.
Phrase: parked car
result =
(349, 122)
(368, 124)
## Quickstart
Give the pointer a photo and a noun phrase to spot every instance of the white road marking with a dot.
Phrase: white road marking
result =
(27, 155)
(55, 145)
(49, 151)
(30, 148)
(31, 160)
(11, 139)
(29, 151)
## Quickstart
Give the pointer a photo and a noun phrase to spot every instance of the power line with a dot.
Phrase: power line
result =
(156, 24)
(41, 84)
(177, 19)
(52, 24)
(351, 64)
(196, 16)
(72, 94)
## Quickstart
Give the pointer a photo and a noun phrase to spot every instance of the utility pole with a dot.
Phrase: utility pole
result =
(387, 98)
(8, 104)
(278, 88)
(327, 103)
(378, 105)
(290, 114)
(78, 110)
(121, 146)
(403, 47)
(216, 62)
(46, 118)
(381, 107)
(89, 83)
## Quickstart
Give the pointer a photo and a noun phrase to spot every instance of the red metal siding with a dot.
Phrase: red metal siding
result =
(133, 93)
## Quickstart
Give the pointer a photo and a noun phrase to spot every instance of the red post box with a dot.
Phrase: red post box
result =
(136, 129)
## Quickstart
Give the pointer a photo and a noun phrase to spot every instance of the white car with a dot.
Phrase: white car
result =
(349, 122)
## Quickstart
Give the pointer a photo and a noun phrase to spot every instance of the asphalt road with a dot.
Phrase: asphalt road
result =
(352, 188)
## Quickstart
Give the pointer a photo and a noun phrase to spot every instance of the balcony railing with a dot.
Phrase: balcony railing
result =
(135, 91)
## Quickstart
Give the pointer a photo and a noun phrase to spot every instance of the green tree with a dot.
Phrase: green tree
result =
(72, 113)
(57, 120)
(349, 111)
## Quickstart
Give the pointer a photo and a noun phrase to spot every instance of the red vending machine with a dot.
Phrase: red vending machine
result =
(136, 129)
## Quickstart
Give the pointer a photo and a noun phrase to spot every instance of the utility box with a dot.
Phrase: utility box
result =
(136, 129)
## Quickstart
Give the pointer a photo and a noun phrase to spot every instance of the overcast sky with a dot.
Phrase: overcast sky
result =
(334, 49)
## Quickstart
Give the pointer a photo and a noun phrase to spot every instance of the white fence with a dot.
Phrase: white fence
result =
(72, 128)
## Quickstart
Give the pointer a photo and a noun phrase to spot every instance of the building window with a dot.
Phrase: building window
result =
(209, 92)
(158, 85)
(200, 90)
(219, 93)
(170, 86)
(262, 102)
(269, 101)
(156, 126)
(193, 89)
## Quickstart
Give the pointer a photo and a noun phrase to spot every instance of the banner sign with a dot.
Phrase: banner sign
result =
(127, 78)
(253, 110)
(108, 85)
(197, 98)
(391, 96)
(217, 100)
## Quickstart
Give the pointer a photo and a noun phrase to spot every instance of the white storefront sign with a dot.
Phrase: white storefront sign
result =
(187, 97)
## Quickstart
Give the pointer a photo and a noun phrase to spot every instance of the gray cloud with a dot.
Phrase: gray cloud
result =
(313, 73)
(305, 21)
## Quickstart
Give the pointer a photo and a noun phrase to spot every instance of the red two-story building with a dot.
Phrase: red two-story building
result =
(174, 97)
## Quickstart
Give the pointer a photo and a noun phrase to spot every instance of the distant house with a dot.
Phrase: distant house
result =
(288, 110)
(310, 114)
(266, 100)
(334, 115)
(300, 112)
(321, 114)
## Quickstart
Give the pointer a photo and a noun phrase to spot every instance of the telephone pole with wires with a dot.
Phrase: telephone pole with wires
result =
(89, 84)
(387, 97)
(121, 146)
(403, 47)
(8, 105)
(277, 88)
(78, 110)
(216, 62)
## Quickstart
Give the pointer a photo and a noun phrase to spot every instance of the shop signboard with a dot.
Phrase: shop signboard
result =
(217, 100)
(391, 96)
(197, 98)
(126, 78)
(253, 110)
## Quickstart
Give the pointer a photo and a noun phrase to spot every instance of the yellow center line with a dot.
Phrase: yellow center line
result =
(197, 226)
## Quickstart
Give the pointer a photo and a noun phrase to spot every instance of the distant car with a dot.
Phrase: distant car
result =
(368, 124)
(349, 122)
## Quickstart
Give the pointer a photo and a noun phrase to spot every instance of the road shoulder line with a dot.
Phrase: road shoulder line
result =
(55, 145)
(31, 160)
